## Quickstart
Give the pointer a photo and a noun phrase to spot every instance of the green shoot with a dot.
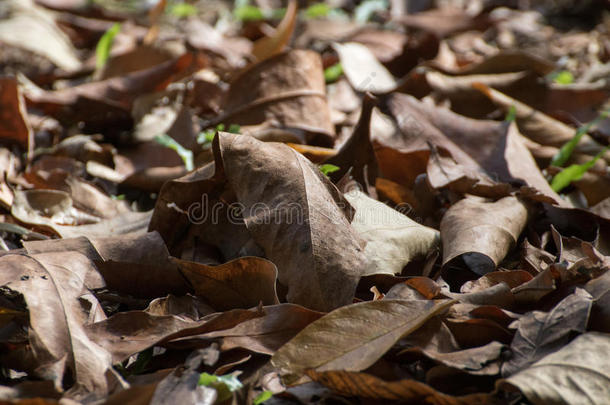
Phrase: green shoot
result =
(317, 10)
(119, 197)
(563, 77)
(566, 150)
(185, 154)
(511, 115)
(327, 169)
(102, 50)
(223, 384)
(206, 137)
(332, 73)
(248, 13)
(182, 10)
(262, 397)
(574, 172)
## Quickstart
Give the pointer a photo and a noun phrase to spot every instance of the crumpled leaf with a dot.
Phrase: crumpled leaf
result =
(240, 283)
(540, 333)
(291, 210)
(273, 101)
(481, 233)
(575, 374)
(393, 239)
(353, 337)
(52, 285)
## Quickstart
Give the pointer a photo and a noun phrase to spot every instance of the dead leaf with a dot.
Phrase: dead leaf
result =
(393, 239)
(240, 283)
(51, 289)
(406, 391)
(279, 102)
(363, 70)
(353, 337)
(266, 47)
(576, 373)
(14, 124)
(480, 233)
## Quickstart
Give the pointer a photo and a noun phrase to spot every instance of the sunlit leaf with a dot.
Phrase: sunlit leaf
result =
(574, 172)
(262, 397)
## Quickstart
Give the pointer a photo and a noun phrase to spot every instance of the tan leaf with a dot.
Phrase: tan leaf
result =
(575, 374)
(393, 239)
(240, 283)
(480, 233)
(353, 337)
(267, 47)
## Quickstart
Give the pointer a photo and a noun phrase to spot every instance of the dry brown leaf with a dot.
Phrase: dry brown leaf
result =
(480, 233)
(266, 47)
(240, 283)
(289, 209)
(539, 333)
(14, 124)
(273, 101)
(406, 391)
(354, 337)
(52, 285)
(575, 374)
(392, 238)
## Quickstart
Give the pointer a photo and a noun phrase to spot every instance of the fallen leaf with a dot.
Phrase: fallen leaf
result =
(393, 239)
(363, 70)
(539, 334)
(480, 233)
(240, 283)
(406, 391)
(576, 373)
(266, 47)
(353, 337)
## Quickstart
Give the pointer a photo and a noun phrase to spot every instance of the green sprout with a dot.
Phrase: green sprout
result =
(182, 10)
(332, 73)
(327, 169)
(262, 397)
(566, 150)
(102, 50)
(574, 172)
(185, 154)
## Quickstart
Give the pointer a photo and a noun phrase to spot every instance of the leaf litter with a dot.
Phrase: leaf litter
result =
(409, 203)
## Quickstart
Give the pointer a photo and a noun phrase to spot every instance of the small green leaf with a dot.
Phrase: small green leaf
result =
(248, 13)
(317, 10)
(365, 10)
(234, 129)
(574, 172)
(566, 150)
(332, 73)
(185, 154)
(223, 384)
(262, 397)
(182, 10)
(327, 169)
(119, 197)
(563, 77)
(511, 115)
(102, 50)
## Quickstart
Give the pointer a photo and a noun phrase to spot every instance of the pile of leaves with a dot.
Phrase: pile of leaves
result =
(304, 203)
